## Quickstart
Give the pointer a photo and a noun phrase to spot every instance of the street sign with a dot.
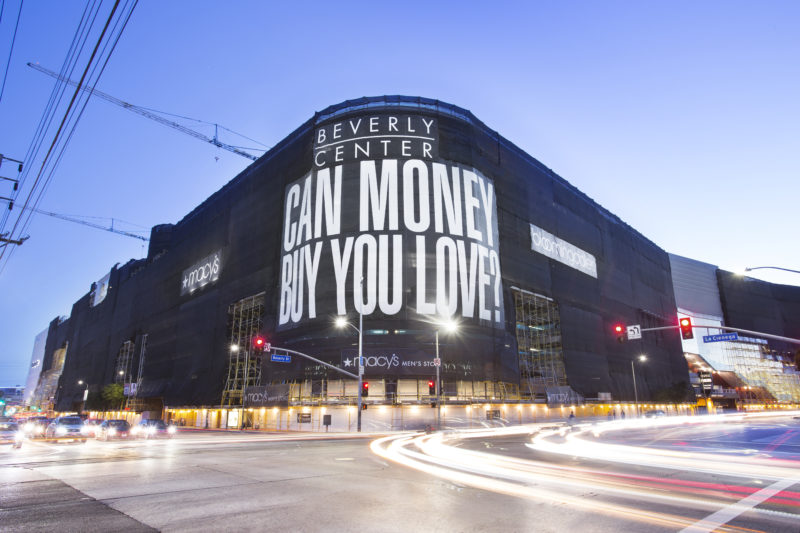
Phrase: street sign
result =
(634, 332)
(278, 358)
(361, 370)
(722, 337)
(437, 361)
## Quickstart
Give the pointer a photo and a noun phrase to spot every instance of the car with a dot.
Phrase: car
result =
(35, 426)
(149, 429)
(11, 433)
(654, 413)
(113, 429)
(66, 427)
(91, 425)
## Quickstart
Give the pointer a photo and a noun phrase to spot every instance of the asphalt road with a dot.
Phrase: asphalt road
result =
(248, 482)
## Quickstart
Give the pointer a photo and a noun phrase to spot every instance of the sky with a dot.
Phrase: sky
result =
(682, 118)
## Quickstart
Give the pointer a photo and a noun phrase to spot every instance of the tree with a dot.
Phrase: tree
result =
(678, 392)
(113, 396)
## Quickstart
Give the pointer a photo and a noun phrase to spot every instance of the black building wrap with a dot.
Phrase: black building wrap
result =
(402, 208)
(755, 305)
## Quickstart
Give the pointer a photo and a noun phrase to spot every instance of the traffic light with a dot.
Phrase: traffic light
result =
(686, 328)
(431, 387)
(619, 330)
(259, 343)
(364, 388)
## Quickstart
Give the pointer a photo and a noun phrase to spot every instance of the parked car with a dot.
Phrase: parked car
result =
(149, 429)
(92, 425)
(11, 433)
(654, 413)
(113, 429)
(66, 427)
(35, 426)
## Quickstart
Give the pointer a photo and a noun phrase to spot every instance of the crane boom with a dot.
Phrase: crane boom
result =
(146, 113)
(90, 224)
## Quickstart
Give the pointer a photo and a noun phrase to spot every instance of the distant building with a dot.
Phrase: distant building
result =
(12, 395)
(35, 370)
(737, 369)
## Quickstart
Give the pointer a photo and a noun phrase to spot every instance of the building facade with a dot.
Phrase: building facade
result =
(407, 212)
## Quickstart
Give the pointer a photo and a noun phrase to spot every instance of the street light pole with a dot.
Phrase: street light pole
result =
(341, 322)
(85, 394)
(635, 393)
(438, 387)
(748, 269)
(360, 363)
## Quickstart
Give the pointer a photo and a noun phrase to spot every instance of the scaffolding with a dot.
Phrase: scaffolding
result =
(124, 366)
(132, 401)
(541, 354)
(244, 366)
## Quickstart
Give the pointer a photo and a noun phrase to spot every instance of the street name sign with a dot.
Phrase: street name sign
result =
(634, 332)
(278, 358)
(722, 337)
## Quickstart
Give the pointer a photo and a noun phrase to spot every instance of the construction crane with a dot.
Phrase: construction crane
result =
(90, 224)
(149, 114)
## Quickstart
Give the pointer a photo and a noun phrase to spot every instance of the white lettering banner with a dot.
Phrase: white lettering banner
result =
(548, 244)
(379, 235)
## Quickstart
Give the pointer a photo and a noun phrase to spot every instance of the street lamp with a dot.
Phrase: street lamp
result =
(748, 269)
(340, 323)
(642, 358)
(85, 394)
(449, 326)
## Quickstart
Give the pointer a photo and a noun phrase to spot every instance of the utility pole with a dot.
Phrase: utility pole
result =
(4, 241)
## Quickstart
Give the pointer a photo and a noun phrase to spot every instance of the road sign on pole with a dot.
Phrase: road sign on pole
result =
(278, 358)
(437, 362)
(722, 337)
(634, 332)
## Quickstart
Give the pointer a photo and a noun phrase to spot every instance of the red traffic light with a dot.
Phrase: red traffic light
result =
(259, 342)
(365, 388)
(430, 383)
(686, 328)
(619, 330)
(365, 384)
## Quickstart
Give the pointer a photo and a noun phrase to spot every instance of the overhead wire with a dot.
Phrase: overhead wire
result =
(72, 115)
(13, 40)
(56, 94)
(64, 119)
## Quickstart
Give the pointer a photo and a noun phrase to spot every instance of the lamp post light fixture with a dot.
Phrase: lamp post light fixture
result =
(748, 269)
(85, 393)
(449, 326)
(641, 358)
(340, 323)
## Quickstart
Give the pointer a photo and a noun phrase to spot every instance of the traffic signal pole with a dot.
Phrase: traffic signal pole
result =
(727, 328)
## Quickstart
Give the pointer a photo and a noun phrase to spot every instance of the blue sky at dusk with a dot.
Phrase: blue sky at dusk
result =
(682, 118)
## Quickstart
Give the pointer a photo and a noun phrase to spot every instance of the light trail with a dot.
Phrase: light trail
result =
(440, 455)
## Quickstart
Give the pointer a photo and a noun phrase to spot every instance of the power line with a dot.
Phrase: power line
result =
(72, 116)
(74, 52)
(13, 40)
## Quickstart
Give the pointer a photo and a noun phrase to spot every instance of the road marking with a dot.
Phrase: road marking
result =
(726, 514)
(344, 459)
